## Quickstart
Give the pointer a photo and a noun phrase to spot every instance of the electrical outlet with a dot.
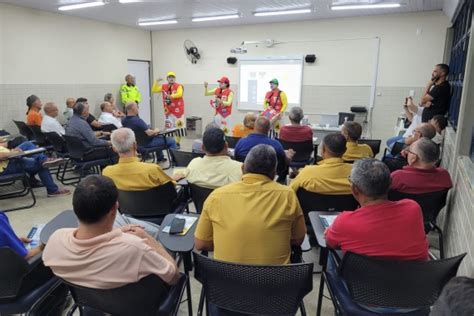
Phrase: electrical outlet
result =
(412, 93)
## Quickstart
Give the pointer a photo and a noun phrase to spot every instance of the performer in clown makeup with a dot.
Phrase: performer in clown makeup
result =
(274, 105)
(222, 103)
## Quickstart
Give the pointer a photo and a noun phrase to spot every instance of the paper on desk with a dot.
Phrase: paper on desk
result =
(189, 221)
(34, 236)
(179, 171)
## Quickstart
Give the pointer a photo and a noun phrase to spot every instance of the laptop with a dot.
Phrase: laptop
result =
(331, 120)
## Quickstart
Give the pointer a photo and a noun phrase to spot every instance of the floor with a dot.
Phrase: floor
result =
(46, 208)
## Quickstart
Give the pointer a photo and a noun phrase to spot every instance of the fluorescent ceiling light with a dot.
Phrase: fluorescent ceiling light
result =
(216, 17)
(366, 6)
(282, 12)
(162, 22)
(129, 1)
(81, 5)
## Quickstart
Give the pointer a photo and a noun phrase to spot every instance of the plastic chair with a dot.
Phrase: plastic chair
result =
(149, 296)
(253, 289)
(303, 150)
(387, 283)
(373, 143)
(39, 137)
(8, 190)
(396, 149)
(199, 196)
(15, 272)
(394, 163)
(60, 148)
(153, 204)
(183, 158)
(24, 129)
(231, 141)
(143, 140)
(431, 204)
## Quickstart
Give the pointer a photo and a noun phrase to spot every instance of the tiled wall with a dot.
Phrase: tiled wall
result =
(457, 220)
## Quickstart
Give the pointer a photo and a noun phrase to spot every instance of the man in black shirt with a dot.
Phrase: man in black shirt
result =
(437, 94)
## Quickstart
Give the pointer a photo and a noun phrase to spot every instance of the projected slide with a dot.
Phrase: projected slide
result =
(256, 73)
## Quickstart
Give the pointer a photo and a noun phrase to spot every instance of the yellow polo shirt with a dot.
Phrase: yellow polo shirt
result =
(132, 175)
(356, 151)
(3, 163)
(252, 221)
(329, 176)
(213, 171)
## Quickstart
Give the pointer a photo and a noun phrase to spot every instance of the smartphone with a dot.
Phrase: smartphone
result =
(177, 225)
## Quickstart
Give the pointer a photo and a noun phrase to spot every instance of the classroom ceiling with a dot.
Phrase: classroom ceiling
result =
(183, 10)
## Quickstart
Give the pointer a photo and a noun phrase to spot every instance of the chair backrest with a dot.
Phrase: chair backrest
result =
(183, 158)
(199, 196)
(397, 148)
(345, 116)
(141, 298)
(316, 202)
(75, 147)
(431, 203)
(13, 269)
(394, 163)
(303, 150)
(58, 142)
(109, 127)
(38, 135)
(142, 138)
(153, 202)
(403, 284)
(373, 143)
(24, 129)
(231, 141)
(260, 290)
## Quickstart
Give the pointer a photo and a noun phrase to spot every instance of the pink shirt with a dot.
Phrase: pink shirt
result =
(107, 261)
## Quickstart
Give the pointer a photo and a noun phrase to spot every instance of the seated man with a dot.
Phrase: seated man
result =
(352, 132)
(421, 174)
(68, 112)
(439, 122)
(109, 97)
(197, 143)
(33, 115)
(413, 115)
(107, 117)
(130, 174)
(295, 132)
(216, 168)
(91, 120)
(50, 122)
(34, 164)
(96, 255)
(253, 221)
(138, 125)
(456, 298)
(330, 175)
(379, 228)
(243, 130)
(423, 130)
(78, 127)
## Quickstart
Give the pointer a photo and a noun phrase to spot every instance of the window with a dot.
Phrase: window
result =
(457, 63)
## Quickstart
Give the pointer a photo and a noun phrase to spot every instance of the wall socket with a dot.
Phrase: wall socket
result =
(412, 93)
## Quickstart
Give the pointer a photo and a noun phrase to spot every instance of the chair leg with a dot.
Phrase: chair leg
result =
(201, 303)
(302, 309)
(320, 296)
(441, 245)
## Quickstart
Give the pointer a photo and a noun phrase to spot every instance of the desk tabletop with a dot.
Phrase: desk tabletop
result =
(318, 227)
(317, 127)
(66, 219)
(177, 243)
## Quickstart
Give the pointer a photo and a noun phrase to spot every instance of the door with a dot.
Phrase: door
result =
(141, 71)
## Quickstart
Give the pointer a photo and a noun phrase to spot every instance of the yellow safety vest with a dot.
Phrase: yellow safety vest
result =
(130, 94)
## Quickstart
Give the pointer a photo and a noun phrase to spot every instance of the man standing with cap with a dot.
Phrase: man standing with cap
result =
(275, 104)
(173, 101)
(129, 91)
(222, 103)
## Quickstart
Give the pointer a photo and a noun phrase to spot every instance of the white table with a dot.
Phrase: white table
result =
(320, 131)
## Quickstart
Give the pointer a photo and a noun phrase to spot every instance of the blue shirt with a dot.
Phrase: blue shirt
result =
(136, 124)
(8, 238)
(244, 145)
(78, 127)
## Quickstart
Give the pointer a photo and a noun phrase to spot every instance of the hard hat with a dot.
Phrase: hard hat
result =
(171, 74)
(224, 80)
(274, 81)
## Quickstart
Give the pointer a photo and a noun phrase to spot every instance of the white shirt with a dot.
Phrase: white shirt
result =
(51, 124)
(109, 118)
(414, 122)
(438, 139)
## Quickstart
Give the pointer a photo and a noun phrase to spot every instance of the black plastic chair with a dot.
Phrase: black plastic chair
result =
(253, 289)
(24, 130)
(387, 283)
(109, 127)
(394, 164)
(16, 185)
(16, 273)
(183, 158)
(373, 143)
(199, 196)
(149, 296)
(431, 204)
(395, 151)
(231, 141)
(153, 204)
(303, 150)
(60, 148)
(39, 137)
(77, 152)
(345, 116)
(143, 140)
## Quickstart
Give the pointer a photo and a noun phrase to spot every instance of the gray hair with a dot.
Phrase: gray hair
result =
(123, 139)
(371, 177)
(211, 125)
(261, 159)
(108, 97)
(426, 149)
(296, 114)
(79, 108)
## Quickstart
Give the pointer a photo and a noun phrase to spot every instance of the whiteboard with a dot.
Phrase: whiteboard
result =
(256, 72)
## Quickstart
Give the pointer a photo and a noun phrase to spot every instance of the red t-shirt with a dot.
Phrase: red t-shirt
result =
(295, 133)
(417, 181)
(391, 230)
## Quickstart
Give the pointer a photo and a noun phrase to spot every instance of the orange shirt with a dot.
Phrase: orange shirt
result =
(240, 130)
(34, 117)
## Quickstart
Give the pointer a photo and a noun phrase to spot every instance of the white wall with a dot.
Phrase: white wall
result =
(406, 58)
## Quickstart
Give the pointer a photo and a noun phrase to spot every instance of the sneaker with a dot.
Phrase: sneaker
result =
(60, 192)
(52, 162)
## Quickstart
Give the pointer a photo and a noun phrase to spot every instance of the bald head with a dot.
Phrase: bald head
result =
(51, 109)
(123, 141)
(262, 125)
(106, 107)
(70, 102)
(131, 108)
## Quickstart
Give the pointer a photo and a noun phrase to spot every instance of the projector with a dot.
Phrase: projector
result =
(239, 50)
